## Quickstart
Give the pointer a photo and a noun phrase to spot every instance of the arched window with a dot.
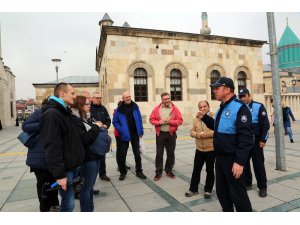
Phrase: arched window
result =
(140, 85)
(241, 79)
(214, 76)
(176, 85)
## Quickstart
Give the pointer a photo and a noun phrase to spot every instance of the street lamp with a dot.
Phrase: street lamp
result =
(294, 83)
(56, 64)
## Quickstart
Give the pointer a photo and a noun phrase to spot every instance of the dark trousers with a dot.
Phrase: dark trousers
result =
(199, 160)
(230, 191)
(122, 153)
(168, 141)
(42, 177)
(258, 160)
(102, 167)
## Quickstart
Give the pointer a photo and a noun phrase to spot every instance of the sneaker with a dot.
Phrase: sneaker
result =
(141, 175)
(263, 193)
(157, 177)
(122, 176)
(190, 193)
(96, 192)
(170, 175)
(104, 177)
(55, 208)
(207, 194)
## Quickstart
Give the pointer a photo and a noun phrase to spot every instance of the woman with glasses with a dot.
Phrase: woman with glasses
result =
(89, 132)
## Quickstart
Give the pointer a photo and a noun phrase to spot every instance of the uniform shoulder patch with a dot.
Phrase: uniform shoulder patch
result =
(263, 113)
(244, 118)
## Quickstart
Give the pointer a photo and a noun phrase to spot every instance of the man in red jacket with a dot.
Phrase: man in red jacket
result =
(166, 118)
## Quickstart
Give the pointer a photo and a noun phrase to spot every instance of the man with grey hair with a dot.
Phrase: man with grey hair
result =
(100, 114)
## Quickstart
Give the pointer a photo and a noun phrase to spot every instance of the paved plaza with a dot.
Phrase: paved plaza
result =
(18, 192)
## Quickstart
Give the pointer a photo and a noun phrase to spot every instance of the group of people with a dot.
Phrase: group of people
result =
(225, 141)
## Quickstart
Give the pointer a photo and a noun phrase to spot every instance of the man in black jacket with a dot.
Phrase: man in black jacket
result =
(99, 113)
(62, 142)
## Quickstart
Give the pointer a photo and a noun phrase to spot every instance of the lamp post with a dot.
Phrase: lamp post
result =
(294, 83)
(56, 64)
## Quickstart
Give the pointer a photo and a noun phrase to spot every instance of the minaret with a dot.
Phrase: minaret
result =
(125, 24)
(205, 29)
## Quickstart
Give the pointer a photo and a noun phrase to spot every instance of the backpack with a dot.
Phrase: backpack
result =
(101, 145)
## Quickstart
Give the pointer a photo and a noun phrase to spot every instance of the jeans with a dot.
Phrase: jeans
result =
(89, 173)
(289, 131)
(67, 197)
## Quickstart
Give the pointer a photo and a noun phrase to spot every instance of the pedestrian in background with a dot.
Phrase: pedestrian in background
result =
(287, 114)
(204, 153)
(261, 126)
(166, 118)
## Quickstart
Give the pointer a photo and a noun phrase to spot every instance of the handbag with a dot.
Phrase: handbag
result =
(101, 145)
(28, 140)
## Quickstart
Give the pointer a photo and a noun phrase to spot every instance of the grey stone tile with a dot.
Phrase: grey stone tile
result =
(153, 200)
(135, 189)
(212, 206)
(111, 206)
(22, 194)
(260, 204)
(282, 192)
(29, 205)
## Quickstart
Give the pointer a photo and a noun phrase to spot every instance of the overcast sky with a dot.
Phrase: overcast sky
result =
(31, 39)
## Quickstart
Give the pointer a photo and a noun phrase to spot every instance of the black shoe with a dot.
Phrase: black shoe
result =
(104, 177)
(122, 176)
(141, 175)
(249, 187)
(292, 141)
(127, 167)
(96, 192)
(77, 195)
(263, 193)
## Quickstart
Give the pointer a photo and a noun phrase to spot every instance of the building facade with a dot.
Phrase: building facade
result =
(147, 62)
(7, 94)
(80, 83)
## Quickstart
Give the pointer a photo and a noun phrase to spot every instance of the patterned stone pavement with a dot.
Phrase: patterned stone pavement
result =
(18, 193)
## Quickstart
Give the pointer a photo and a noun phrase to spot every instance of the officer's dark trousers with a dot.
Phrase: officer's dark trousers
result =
(230, 191)
(258, 160)
(168, 141)
(122, 153)
(200, 158)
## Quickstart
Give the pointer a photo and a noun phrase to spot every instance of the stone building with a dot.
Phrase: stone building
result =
(7, 94)
(80, 83)
(147, 62)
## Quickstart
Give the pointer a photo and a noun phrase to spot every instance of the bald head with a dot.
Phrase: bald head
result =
(126, 98)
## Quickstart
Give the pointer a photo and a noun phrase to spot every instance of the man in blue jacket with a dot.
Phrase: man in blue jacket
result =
(128, 122)
(233, 139)
(261, 126)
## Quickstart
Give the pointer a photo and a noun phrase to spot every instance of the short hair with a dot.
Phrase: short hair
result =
(204, 101)
(95, 92)
(45, 100)
(164, 94)
(60, 87)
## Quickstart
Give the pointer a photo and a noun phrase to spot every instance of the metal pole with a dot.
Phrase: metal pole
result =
(56, 69)
(278, 120)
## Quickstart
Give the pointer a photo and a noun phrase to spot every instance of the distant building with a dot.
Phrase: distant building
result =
(147, 62)
(80, 83)
(7, 94)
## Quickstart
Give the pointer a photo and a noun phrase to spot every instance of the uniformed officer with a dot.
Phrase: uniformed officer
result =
(261, 126)
(233, 139)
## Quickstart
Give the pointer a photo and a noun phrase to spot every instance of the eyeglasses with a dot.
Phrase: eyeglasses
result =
(166, 99)
(97, 97)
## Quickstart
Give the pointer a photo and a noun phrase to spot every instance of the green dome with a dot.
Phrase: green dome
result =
(289, 51)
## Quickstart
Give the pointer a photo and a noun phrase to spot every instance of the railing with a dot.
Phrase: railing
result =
(291, 99)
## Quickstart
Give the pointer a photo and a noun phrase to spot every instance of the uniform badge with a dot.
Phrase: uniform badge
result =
(227, 113)
(263, 113)
(244, 118)
(251, 109)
